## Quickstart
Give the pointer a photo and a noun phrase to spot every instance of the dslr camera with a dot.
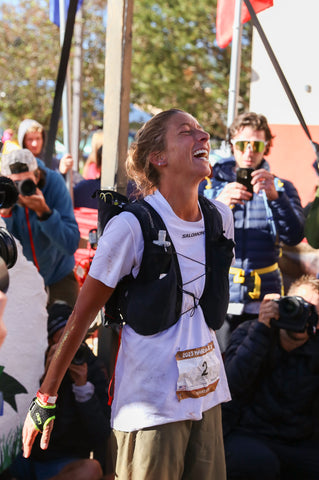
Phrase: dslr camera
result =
(9, 190)
(296, 315)
(8, 257)
(81, 355)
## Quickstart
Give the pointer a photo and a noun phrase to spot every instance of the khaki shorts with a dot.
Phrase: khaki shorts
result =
(186, 450)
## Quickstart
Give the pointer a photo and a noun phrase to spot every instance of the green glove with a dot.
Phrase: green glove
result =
(40, 414)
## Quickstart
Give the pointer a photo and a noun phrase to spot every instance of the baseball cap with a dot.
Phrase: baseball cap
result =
(18, 161)
(59, 313)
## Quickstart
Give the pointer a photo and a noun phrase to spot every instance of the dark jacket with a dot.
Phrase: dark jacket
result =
(83, 191)
(275, 392)
(79, 427)
(256, 245)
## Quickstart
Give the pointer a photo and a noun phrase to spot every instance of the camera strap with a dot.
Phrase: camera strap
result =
(31, 238)
(270, 218)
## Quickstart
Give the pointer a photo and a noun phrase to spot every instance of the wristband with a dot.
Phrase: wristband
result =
(45, 399)
(41, 415)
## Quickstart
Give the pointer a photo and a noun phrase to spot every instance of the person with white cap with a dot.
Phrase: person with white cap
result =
(42, 218)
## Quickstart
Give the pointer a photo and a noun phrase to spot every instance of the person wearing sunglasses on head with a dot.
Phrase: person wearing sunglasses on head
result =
(267, 212)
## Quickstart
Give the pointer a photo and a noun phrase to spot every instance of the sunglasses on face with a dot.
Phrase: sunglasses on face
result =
(257, 146)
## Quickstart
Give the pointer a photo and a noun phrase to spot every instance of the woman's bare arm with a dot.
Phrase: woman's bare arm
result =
(93, 295)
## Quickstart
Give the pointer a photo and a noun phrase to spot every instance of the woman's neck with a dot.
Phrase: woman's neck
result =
(184, 204)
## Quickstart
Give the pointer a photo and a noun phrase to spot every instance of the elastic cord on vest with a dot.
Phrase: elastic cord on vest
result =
(112, 381)
(31, 238)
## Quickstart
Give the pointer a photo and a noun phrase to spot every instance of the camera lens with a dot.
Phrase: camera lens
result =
(8, 192)
(4, 277)
(289, 307)
(26, 187)
(81, 355)
(8, 248)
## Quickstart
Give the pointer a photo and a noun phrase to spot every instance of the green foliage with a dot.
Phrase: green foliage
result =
(10, 447)
(175, 62)
(29, 62)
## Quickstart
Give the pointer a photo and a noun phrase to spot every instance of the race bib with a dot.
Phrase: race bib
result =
(198, 371)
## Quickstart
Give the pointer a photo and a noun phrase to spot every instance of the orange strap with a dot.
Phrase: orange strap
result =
(112, 381)
(31, 238)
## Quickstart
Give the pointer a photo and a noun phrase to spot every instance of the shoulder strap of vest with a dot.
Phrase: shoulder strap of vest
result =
(110, 203)
(212, 218)
(151, 222)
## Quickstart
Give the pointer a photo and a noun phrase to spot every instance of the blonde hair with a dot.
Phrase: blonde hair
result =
(97, 142)
(35, 127)
(305, 280)
(149, 139)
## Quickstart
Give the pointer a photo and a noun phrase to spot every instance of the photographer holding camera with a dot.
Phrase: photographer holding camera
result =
(272, 365)
(38, 211)
(83, 420)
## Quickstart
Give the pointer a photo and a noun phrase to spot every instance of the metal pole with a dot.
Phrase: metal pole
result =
(235, 65)
(66, 100)
(77, 88)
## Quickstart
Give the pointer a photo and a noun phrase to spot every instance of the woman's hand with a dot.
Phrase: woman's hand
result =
(30, 432)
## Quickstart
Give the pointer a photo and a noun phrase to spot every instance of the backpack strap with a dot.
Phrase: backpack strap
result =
(152, 224)
(110, 203)
(212, 219)
(219, 254)
(159, 260)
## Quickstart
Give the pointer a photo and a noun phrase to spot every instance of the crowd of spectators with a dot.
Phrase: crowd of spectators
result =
(269, 420)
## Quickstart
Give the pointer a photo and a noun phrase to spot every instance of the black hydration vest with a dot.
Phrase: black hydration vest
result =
(151, 302)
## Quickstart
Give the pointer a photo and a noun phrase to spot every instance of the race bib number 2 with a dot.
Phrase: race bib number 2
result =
(198, 370)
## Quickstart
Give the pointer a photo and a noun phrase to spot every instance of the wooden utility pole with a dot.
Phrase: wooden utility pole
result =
(115, 126)
(117, 94)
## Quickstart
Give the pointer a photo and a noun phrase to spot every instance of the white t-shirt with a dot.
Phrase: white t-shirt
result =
(149, 376)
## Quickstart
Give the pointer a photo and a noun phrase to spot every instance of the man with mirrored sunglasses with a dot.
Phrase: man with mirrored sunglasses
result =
(267, 213)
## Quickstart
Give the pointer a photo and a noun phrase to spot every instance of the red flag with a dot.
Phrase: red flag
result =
(225, 18)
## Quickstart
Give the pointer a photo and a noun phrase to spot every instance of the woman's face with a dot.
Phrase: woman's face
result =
(187, 147)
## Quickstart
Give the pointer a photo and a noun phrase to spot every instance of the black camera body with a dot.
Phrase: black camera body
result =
(81, 355)
(8, 257)
(296, 315)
